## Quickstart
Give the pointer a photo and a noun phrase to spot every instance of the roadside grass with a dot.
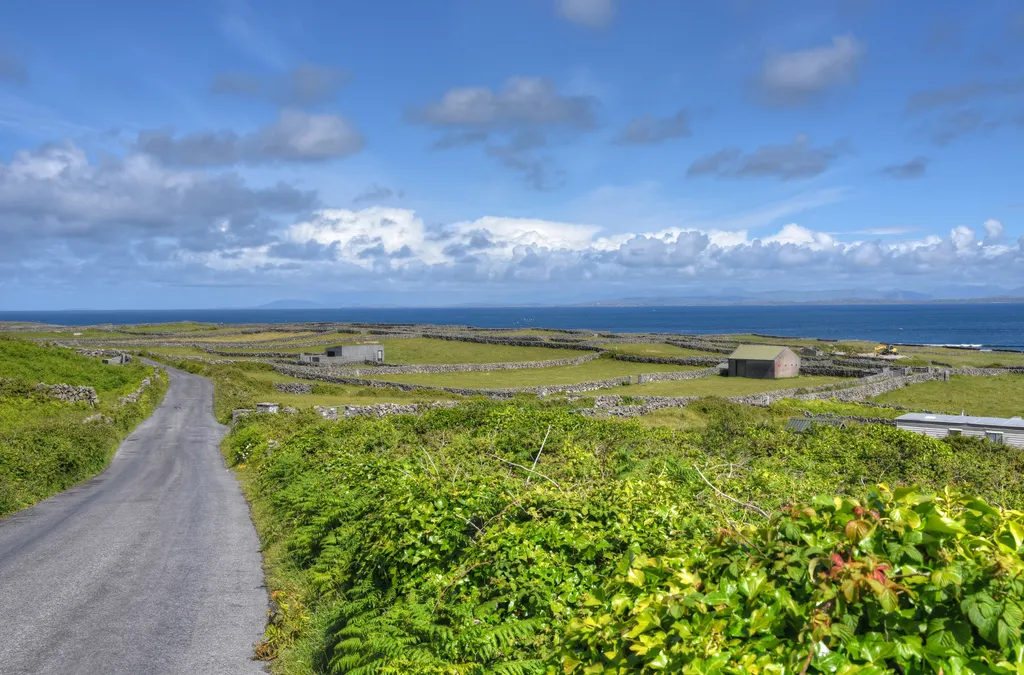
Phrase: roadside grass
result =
(598, 369)
(661, 349)
(998, 396)
(717, 385)
(45, 445)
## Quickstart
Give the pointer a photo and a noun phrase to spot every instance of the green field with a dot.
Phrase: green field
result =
(999, 396)
(642, 349)
(46, 446)
(598, 369)
(717, 385)
(966, 357)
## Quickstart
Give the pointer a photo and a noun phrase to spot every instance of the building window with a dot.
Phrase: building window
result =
(994, 437)
(955, 432)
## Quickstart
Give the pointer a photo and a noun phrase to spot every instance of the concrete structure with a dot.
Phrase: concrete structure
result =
(118, 360)
(346, 354)
(999, 430)
(763, 362)
(269, 408)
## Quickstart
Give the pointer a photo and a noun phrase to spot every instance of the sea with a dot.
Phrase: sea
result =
(979, 325)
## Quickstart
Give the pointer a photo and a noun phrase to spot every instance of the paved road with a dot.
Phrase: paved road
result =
(152, 567)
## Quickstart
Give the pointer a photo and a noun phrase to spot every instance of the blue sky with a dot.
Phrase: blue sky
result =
(201, 154)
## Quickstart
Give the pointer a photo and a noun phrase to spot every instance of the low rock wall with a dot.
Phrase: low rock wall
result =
(517, 341)
(310, 373)
(988, 372)
(671, 360)
(293, 387)
(433, 369)
(705, 345)
(103, 353)
(70, 393)
(644, 378)
(134, 396)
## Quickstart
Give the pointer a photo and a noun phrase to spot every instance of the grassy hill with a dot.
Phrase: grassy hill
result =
(46, 445)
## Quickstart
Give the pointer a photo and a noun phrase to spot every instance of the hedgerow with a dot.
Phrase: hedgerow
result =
(467, 540)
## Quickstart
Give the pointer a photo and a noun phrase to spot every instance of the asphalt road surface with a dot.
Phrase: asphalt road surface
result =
(151, 567)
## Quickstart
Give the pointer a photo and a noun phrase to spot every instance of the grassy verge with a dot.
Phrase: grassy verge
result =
(47, 446)
(426, 544)
(999, 396)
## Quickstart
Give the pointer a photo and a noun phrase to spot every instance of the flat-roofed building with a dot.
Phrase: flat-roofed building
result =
(999, 430)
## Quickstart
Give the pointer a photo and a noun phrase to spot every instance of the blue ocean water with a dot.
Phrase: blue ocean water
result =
(986, 325)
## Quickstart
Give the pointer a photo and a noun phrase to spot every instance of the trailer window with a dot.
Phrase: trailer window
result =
(994, 437)
(955, 432)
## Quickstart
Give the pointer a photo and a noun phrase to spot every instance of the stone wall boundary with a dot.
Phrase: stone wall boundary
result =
(308, 373)
(434, 369)
(644, 378)
(670, 360)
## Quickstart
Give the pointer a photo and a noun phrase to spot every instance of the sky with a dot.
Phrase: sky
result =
(212, 153)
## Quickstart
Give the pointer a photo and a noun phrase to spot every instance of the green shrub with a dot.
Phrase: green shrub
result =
(903, 582)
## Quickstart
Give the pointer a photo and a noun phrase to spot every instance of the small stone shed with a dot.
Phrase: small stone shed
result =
(117, 360)
(999, 430)
(764, 362)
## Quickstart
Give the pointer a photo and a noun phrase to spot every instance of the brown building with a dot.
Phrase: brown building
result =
(764, 362)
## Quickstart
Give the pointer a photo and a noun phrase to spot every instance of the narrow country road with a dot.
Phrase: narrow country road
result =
(151, 567)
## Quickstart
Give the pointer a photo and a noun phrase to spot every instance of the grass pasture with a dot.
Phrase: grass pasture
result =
(598, 369)
(659, 349)
(717, 385)
(998, 396)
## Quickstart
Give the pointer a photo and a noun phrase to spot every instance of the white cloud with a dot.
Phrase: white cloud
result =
(993, 229)
(795, 75)
(589, 13)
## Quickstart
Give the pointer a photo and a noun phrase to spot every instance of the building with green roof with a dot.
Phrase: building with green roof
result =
(764, 362)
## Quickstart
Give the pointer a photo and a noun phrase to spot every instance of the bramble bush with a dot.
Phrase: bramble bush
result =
(904, 581)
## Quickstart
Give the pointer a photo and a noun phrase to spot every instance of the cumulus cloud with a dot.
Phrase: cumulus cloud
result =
(913, 168)
(55, 196)
(794, 76)
(510, 123)
(993, 230)
(306, 85)
(797, 159)
(588, 13)
(294, 136)
(651, 130)
(12, 69)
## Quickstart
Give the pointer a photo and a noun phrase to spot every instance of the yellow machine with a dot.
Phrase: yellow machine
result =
(886, 350)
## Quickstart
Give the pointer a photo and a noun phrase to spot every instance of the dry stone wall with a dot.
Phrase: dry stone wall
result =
(70, 393)
(134, 396)
(671, 360)
(434, 369)
(293, 387)
(644, 378)
(312, 373)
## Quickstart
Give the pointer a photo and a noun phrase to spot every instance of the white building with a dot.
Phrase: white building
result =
(1000, 430)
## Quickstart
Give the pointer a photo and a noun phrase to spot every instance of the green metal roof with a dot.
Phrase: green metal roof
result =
(757, 352)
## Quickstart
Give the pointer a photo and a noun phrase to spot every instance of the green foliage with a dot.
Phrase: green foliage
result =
(999, 396)
(32, 363)
(432, 544)
(46, 446)
(902, 582)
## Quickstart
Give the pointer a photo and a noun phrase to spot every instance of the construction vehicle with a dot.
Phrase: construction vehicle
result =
(886, 350)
